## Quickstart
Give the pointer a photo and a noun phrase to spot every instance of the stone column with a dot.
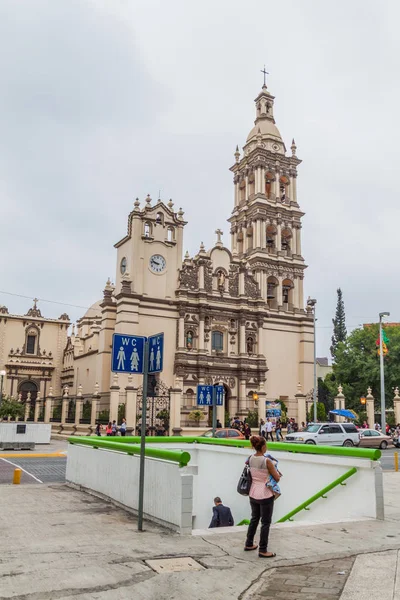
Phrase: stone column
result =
(278, 236)
(242, 396)
(64, 406)
(201, 277)
(262, 397)
(175, 412)
(301, 400)
(260, 325)
(201, 329)
(78, 405)
(279, 292)
(242, 336)
(241, 282)
(277, 186)
(48, 410)
(114, 399)
(294, 240)
(37, 408)
(294, 188)
(95, 400)
(298, 241)
(262, 180)
(300, 300)
(181, 332)
(396, 405)
(339, 404)
(371, 408)
(27, 406)
(131, 404)
(263, 235)
(246, 193)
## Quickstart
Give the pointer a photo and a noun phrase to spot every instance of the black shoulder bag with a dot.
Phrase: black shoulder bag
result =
(244, 483)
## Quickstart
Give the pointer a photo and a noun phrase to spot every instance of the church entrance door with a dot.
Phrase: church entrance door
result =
(158, 407)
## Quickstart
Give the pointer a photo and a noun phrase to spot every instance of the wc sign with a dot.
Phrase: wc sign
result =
(128, 353)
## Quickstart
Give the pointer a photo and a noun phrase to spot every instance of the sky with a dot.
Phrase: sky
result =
(103, 101)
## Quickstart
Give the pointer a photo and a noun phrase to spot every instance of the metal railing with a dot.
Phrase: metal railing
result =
(179, 456)
(321, 494)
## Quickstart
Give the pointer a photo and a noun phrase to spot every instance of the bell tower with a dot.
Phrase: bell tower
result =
(266, 218)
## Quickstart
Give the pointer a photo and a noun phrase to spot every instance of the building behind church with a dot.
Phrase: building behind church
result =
(232, 316)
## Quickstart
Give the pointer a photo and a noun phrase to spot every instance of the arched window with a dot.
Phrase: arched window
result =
(271, 237)
(170, 234)
(283, 184)
(240, 242)
(147, 230)
(31, 341)
(269, 178)
(189, 339)
(250, 345)
(189, 397)
(287, 292)
(251, 184)
(250, 243)
(272, 284)
(217, 341)
(221, 279)
(286, 239)
(159, 218)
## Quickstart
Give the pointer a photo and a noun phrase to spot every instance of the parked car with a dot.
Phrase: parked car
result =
(225, 433)
(327, 434)
(370, 438)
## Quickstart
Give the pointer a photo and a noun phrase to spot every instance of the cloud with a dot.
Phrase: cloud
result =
(108, 100)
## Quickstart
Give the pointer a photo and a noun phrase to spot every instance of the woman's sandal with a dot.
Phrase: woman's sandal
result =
(249, 548)
(266, 554)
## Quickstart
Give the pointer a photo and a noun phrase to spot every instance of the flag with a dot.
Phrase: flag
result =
(385, 341)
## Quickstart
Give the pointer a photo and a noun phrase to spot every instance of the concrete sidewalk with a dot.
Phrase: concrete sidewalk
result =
(58, 543)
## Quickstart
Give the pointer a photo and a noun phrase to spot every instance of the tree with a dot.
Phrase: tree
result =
(321, 413)
(11, 408)
(196, 416)
(356, 366)
(339, 324)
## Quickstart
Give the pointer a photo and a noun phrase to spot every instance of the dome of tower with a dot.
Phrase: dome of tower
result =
(267, 128)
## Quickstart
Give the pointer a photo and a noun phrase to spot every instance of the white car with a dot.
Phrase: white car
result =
(327, 434)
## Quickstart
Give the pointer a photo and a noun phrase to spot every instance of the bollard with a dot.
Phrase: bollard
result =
(396, 461)
(17, 476)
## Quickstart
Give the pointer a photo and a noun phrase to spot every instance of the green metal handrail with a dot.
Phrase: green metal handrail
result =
(370, 453)
(320, 494)
(179, 456)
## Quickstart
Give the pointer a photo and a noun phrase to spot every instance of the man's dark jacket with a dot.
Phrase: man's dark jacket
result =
(222, 516)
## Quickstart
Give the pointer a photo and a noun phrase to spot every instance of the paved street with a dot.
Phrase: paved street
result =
(61, 544)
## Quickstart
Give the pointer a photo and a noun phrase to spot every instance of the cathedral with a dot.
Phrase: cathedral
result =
(233, 316)
(230, 316)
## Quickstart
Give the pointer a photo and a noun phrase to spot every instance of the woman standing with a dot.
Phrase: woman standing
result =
(109, 429)
(261, 497)
(122, 429)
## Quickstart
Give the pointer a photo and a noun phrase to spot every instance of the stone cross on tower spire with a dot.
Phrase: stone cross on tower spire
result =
(265, 73)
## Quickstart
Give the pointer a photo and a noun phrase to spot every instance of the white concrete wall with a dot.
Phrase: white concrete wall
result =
(304, 475)
(167, 490)
(173, 494)
(39, 433)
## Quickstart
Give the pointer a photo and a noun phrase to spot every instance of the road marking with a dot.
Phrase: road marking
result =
(32, 455)
(18, 467)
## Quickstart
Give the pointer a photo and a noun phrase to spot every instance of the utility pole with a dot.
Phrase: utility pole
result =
(382, 368)
(312, 303)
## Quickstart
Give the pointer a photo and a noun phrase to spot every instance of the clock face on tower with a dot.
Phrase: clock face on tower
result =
(157, 263)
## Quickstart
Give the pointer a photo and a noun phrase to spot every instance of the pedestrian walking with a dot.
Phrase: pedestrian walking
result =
(268, 430)
(222, 516)
(262, 428)
(247, 431)
(122, 428)
(98, 429)
(261, 497)
(278, 430)
(109, 429)
(114, 428)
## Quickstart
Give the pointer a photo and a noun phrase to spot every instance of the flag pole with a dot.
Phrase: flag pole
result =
(382, 369)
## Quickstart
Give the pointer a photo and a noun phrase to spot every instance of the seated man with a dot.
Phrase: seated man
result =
(222, 516)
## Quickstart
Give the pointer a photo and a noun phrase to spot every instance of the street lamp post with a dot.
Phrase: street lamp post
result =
(311, 302)
(383, 402)
(2, 375)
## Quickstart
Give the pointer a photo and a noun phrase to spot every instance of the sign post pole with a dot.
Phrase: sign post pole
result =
(143, 435)
(214, 407)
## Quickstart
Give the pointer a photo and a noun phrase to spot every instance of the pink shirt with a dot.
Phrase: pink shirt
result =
(259, 476)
